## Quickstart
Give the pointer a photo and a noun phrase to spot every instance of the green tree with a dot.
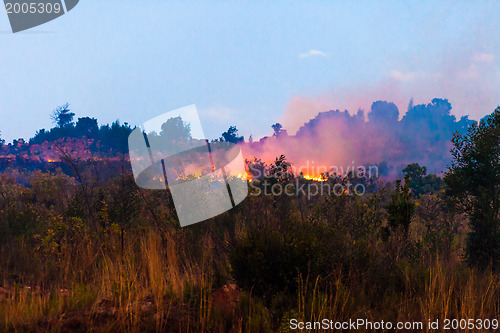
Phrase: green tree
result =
(62, 116)
(86, 126)
(177, 129)
(280, 170)
(278, 130)
(473, 182)
(401, 209)
(231, 135)
(420, 182)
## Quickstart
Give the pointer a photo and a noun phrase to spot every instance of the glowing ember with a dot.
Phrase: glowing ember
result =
(245, 176)
(321, 178)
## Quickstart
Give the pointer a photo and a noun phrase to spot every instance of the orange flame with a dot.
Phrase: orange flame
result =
(321, 178)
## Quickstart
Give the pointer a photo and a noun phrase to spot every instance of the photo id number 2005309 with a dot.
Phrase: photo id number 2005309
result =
(33, 8)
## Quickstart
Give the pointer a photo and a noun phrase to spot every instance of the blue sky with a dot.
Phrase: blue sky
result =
(248, 64)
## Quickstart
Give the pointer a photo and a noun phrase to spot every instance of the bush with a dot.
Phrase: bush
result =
(268, 260)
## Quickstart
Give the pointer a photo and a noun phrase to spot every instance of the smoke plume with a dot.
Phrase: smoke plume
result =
(338, 139)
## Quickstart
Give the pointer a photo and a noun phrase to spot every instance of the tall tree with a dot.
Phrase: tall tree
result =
(62, 116)
(401, 209)
(278, 130)
(176, 129)
(86, 126)
(420, 182)
(231, 135)
(474, 187)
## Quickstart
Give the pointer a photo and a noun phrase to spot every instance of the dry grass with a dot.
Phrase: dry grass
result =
(156, 286)
(443, 292)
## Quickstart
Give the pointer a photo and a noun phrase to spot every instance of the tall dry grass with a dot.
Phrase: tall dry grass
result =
(152, 285)
(156, 284)
(437, 292)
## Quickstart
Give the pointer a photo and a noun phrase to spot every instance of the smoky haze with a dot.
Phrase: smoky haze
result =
(339, 139)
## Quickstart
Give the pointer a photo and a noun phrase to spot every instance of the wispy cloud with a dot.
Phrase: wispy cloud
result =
(312, 53)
